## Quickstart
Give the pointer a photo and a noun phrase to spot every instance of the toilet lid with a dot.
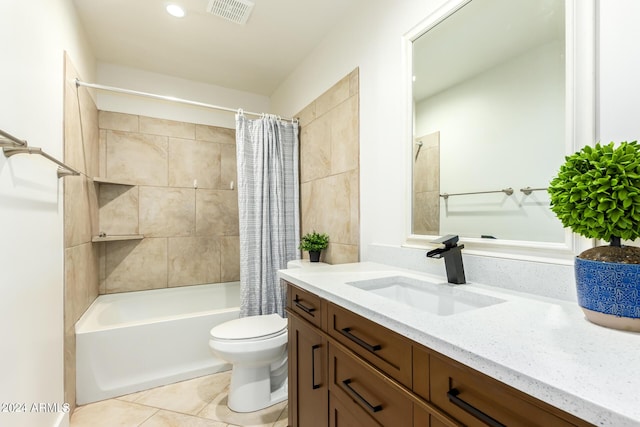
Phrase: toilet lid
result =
(250, 327)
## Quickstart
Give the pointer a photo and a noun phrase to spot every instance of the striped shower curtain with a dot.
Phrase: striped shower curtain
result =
(268, 207)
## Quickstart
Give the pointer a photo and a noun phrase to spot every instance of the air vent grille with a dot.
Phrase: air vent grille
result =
(237, 11)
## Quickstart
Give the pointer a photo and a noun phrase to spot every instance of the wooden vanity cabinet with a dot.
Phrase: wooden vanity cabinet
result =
(345, 370)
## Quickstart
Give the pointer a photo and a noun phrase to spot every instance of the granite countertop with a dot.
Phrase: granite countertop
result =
(541, 346)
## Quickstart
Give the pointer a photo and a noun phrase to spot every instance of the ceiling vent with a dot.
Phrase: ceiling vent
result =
(237, 11)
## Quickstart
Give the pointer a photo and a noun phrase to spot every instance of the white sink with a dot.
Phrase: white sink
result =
(436, 298)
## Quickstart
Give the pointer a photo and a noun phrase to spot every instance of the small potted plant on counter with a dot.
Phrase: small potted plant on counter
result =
(597, 195)
(314, 243)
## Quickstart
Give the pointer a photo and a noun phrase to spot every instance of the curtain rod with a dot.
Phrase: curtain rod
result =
(169, 98)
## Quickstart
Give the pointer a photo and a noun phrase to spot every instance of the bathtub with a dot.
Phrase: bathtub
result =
(133, 341)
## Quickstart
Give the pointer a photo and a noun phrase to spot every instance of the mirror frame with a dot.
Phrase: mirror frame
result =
(580, 119)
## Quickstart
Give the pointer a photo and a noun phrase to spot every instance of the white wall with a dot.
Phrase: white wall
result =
(372, 41)
(34, 36)
(492, 128)
(144, 81)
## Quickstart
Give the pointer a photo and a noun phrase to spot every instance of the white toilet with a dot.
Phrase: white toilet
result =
(256, 346)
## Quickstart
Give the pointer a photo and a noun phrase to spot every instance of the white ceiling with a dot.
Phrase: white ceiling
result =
(255, 57)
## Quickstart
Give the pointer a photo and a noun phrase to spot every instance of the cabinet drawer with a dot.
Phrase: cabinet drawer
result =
(305, 304)
(366, 391)
(385, 349)
(478, 400)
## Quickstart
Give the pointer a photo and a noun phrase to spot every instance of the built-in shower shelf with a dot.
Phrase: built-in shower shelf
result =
(111, 181)
(117, 238)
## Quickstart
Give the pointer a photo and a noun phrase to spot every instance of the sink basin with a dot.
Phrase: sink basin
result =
(436, 298)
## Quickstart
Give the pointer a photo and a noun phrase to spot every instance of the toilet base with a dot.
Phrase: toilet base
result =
(250, 389)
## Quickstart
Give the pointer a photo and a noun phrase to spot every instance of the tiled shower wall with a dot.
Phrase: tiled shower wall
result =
(330, 169)
(182, 198)
(176, 186)
(80, 216)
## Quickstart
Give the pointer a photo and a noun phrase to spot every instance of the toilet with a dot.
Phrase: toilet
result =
(256, 346)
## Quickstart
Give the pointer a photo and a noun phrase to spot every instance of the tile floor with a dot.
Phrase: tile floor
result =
(200, 402)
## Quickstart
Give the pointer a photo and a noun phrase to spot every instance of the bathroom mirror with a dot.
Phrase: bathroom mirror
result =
(494, 91)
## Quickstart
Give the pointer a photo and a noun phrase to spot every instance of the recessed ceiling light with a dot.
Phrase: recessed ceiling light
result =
(175, 10)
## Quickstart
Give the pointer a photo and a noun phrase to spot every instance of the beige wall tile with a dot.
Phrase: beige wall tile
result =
(344, 136)
(340, 254)
(118, 209)
(307, 115)
(229, 258)
(215, 134)
(102, 153)
(167, 211)
(315, 149)
(354, 82)
(216, 213)
(91, 133)
(333, 195)
(78, 220)
(191, 161)
(118, 121)
(73, 154)
(137, 158)
(135, 265)
(337, 94)
(329, 169)
(228, 167)
(153, 126)
(193, 260)
(81, 274)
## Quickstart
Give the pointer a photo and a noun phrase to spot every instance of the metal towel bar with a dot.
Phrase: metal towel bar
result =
(507, 191)
(12, 146)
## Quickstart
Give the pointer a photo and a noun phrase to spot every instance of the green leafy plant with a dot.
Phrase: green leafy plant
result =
(314, 242)
(597, 192)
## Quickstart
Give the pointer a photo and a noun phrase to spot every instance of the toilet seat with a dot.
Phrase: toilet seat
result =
(253, 328)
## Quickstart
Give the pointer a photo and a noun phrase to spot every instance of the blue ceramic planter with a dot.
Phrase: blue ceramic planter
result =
(609, 288)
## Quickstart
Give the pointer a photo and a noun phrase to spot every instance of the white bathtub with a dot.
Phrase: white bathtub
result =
(137, 340)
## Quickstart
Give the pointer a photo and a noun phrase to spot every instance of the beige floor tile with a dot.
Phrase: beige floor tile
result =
(187, 397)
(283, 420)
(173, 419)
(111, 413)
(218, 410)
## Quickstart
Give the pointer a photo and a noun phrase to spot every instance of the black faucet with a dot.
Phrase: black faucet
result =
(452, 254)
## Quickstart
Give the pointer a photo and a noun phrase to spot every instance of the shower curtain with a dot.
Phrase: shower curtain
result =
(268, 208)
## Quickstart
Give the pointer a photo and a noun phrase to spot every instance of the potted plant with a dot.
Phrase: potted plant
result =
(314, 243)
(597, 194)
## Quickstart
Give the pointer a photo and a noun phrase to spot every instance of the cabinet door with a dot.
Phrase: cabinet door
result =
(308, 388)
(341, 416)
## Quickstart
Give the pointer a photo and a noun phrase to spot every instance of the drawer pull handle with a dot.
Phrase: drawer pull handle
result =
(314, 386)
(308, 310)
(347, 333)
(467, 407)
(371, 408)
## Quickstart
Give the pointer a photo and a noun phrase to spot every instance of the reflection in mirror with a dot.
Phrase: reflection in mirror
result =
(489, 114)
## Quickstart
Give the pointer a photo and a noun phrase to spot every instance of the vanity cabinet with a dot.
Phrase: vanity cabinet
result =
(307, 360)
(345, 370)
